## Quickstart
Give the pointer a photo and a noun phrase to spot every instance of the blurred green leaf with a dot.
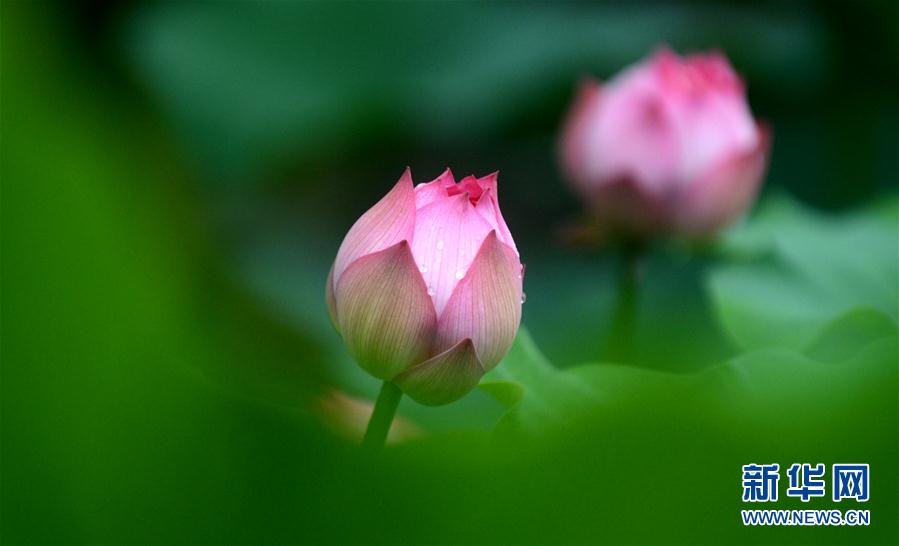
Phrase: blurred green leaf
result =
(506, 392)
(528, 385)
(849, 333)
(539, 397)
(800, 270)
(677, 438)
(248, 82)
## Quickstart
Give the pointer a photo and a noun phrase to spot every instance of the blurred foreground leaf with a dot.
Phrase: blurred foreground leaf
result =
(601, 432)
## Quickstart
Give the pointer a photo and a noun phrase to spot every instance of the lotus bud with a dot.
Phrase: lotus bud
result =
(426, 289)
(668, 146)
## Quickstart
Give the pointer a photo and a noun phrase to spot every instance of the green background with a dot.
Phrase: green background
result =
(176, 179)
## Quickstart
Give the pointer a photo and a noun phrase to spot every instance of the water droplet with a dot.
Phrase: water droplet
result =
(430, 290)
(424, 269)
(524, 297)
(439, 245)
(459, 274)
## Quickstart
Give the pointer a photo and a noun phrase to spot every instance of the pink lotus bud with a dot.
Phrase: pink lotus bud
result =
(667, 146)
(426, 287)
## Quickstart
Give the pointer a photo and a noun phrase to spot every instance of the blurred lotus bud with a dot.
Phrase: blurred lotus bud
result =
(426, 289)
(667, 146)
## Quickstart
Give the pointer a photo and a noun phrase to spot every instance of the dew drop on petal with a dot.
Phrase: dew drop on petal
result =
(424, 269)
(459, 274)
(430, 290)
(524, 297)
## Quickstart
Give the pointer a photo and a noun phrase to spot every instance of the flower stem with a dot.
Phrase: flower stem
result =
(622, 338)
(382, 417)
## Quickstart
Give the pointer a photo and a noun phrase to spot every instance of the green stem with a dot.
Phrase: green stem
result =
(624, 317)
(382, 417)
